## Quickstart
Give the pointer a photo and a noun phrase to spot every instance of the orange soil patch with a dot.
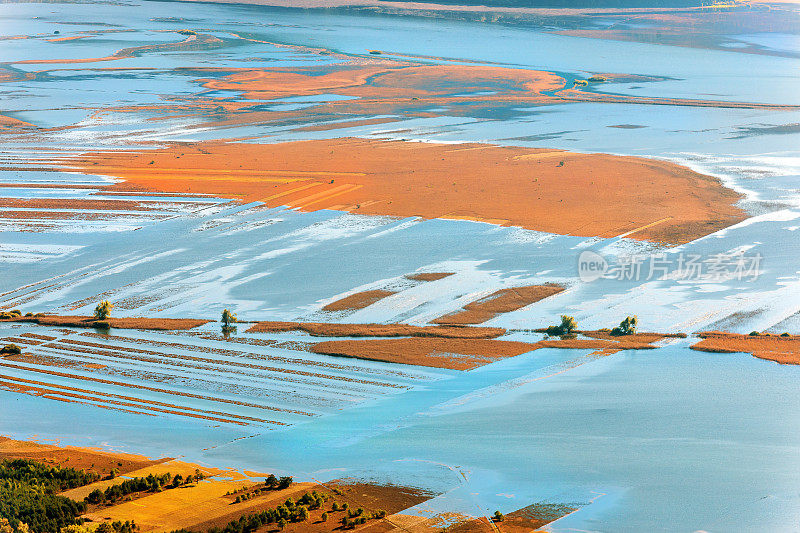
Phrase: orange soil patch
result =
(428, 276)
(323, 329)
(77, 203)
(595, 344)
(782, 350)
(467, 354)
(64, 215)
(359, 300)
(455, 354)
(589, 195)
(8, 123)
(387, 79)
(502, 301)
(99, 461)
(122, 323)
(70, 38)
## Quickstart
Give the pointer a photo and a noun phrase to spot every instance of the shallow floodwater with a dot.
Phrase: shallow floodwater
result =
(661, 440)
(665, 440)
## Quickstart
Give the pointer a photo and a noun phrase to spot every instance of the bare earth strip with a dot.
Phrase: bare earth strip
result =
(502, 301)
(784, 350)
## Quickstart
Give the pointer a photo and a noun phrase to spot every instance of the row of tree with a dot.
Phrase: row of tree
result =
(569, 326)
(151, 483)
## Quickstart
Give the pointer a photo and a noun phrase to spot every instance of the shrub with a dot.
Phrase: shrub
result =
(626, 327)
(228, 319)
(597, 78)
(324, 517)
(567, 327)
(498, 516)
(302, 513)
(10, 349)
(754, 334)
(103, 310)
(785, 334)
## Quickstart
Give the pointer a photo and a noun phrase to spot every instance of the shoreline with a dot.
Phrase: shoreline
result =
(197, 497)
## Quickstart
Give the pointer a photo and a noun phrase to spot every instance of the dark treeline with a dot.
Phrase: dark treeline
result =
(294, 511)
(271, 483)
(151, 483)
(28, 494)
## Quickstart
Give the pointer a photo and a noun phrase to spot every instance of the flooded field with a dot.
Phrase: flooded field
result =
(356, 167)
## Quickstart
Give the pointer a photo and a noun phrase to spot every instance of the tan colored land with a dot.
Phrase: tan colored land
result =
(325, 329)
(121, 323)
(784, 350)
(468, 354)
(89, 459)
(211, 502)
(502, 301)
(428, 276)
(359, 300)
(455, 354)
(547, 190)
(9, 123)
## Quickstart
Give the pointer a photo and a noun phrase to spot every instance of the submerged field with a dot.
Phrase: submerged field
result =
(393, 206)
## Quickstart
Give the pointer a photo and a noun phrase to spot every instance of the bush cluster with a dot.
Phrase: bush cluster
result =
(359, 516)
(28, 495)
(289, 511)
(10, 349)
(271, 483)
(626, 327)
(151, 483)
(567, 327)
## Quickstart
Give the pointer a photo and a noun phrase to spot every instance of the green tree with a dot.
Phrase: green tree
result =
(567, 326)
(626, 327)
(498, 516)
(228, 319)
(103, 310)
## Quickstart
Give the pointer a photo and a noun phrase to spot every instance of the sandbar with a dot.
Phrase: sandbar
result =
(781, 349)
(548, 190)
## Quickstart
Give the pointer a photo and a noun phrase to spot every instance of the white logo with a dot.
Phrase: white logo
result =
(591, 266)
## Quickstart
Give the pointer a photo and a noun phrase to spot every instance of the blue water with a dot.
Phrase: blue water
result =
(663, 440)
